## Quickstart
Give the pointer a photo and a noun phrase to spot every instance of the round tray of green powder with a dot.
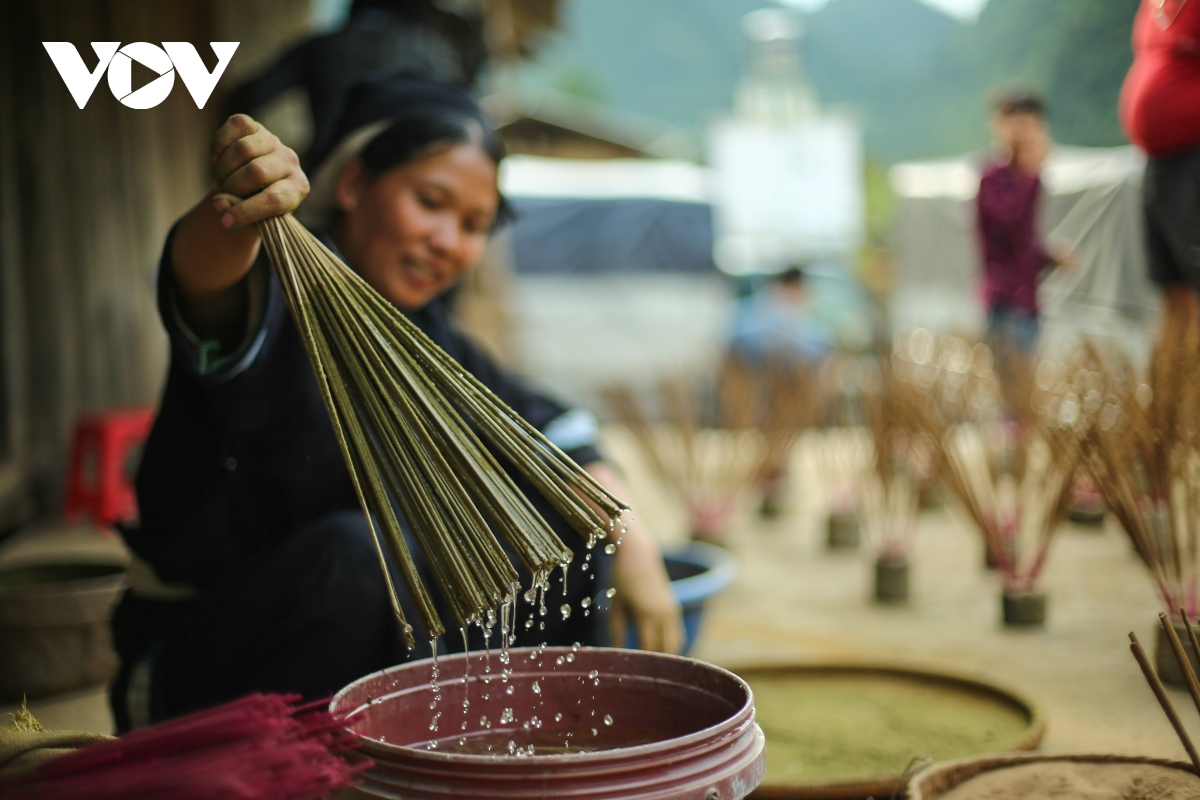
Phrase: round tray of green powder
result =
(849, 731)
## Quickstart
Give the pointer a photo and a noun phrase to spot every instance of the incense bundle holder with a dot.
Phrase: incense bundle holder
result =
(931, 496)
(1165, 663)
(1024, 609)
(891, 580)
(774, 495)
(842, 530)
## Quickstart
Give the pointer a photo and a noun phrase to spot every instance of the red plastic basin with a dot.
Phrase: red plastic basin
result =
(681, 728)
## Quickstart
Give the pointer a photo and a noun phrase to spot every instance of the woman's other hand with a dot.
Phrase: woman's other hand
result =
(644, 597)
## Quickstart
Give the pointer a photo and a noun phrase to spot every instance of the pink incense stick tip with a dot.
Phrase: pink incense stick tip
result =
(261, 746)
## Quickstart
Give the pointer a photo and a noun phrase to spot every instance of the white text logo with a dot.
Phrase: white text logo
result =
(164, 61)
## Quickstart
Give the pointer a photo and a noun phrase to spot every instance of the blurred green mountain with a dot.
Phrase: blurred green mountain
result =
(917, 77)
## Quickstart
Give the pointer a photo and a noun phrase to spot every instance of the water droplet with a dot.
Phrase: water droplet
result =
(570, 657)
(594, 731)
(607, 719)
(484, 722)
(585, 602)
(509, 690)
(565, 610)
(558, 717)
(432, 745)
(507, 716)
(610, 549)
(529, 623)
(609, 593)
(537, 689)
(594, 674)
(575, 647)
(535, 722)
(559, 660)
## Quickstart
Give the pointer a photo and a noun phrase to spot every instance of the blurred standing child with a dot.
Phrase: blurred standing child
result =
(1160, 110)
(1013, 253)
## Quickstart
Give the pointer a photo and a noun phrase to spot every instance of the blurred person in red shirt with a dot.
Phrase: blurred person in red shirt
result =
(1160, 110)
(1013, 253)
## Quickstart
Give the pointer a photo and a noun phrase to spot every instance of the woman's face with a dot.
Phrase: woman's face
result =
(414, 230)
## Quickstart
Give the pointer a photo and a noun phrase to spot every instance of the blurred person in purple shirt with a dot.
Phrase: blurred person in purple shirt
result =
(1013, 253)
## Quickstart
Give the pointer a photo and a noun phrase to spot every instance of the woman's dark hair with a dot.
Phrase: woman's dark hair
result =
(412, 136)
(422, 116)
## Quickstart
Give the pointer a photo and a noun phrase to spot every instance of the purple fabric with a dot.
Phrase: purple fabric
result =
(1006, 224)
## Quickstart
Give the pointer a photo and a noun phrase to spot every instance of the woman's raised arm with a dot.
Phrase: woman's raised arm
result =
(254, 177)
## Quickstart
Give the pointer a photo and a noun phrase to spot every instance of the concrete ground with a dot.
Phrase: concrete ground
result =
(795, 602)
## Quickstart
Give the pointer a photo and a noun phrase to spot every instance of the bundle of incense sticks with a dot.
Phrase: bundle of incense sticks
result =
(1142, 448)
(262, 747)
(1010, 468)
(709, 454)
(901, 454)
(789, 403)
(406, 417)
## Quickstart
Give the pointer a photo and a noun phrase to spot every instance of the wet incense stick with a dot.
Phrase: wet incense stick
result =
(1165, 702)
(1189, 675)
(406, 415)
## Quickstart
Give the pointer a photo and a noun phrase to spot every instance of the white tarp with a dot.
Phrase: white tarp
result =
(1091, 205)
(783, 192)
(654, 178)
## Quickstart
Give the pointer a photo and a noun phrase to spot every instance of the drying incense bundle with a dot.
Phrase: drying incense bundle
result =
(842, 449)
(406, 416)
(708, 459)
(1142, 446)
(1012, 473)
(784, 402)
(954, 373)
(258, 748)
(902, 455)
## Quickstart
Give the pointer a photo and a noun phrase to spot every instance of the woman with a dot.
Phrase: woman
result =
(254, 569)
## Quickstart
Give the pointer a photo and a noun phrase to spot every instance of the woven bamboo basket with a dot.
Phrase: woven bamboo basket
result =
(937, 780)
(884, 786)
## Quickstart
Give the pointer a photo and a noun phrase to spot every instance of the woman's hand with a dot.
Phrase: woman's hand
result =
(254, 177)
(644, 596)
(251, 164)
